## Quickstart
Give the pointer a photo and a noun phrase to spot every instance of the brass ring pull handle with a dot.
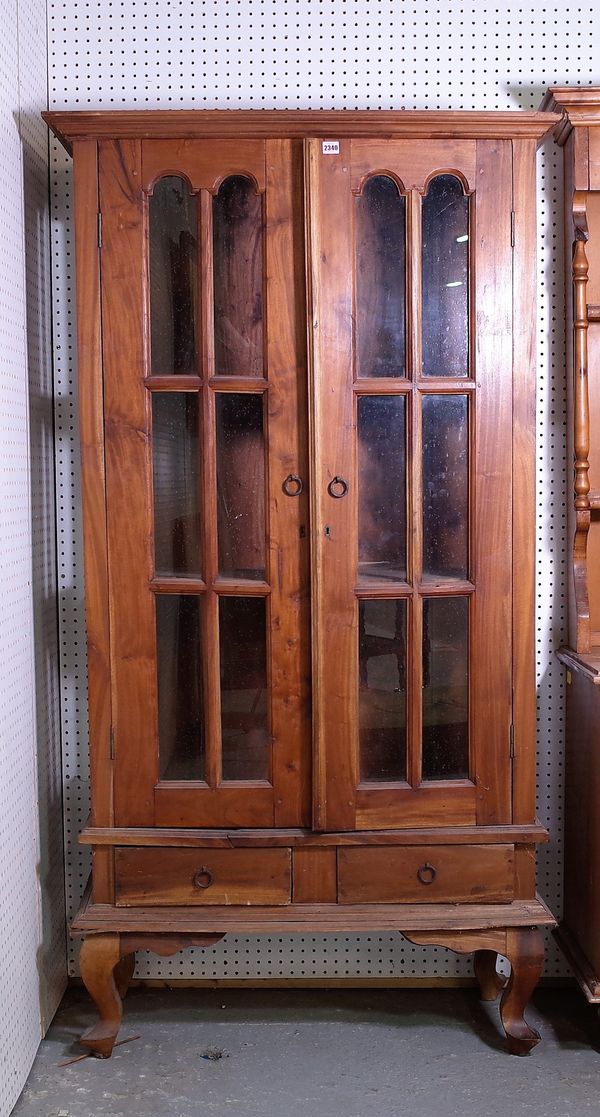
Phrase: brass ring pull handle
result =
(293, 485)
(337, 488)
(203, 878)
(426, 873)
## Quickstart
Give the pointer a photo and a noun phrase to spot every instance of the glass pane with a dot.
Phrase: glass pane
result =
(238, 278)
(380, 266)
(381, 487)
(445, 487)
(175, 457)
(244, 718)
(180, 700)
(240, 485)
(382, 694)
(445, 688)
(173, 277)
(445, 278)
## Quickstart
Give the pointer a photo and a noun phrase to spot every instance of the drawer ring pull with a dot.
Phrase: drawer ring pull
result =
(203, 878)
(426, 873)
(337, 488)
(293, 485)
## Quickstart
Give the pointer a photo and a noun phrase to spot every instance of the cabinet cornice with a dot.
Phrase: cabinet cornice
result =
(286, 123)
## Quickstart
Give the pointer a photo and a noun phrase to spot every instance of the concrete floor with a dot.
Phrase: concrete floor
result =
(320, 1053)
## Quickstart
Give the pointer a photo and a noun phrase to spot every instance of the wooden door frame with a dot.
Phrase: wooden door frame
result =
(339, 801)
(141, 797)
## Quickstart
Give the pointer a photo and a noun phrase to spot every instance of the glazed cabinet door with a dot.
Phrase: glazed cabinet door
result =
(204, 375)
(411, 277)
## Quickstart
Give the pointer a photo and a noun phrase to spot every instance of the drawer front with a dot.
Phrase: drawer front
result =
(202, 876)
(425, 874)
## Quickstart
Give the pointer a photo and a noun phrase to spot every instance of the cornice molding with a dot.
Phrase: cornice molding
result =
(579, 108)
(69, 127)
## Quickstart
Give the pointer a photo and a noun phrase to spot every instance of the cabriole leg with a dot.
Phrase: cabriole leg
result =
(523, 947)
(525, 952)
(105, 979)
(491, 983)
(107, 962)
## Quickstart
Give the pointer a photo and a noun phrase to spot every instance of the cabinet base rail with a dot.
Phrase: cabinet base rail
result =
(112, 936)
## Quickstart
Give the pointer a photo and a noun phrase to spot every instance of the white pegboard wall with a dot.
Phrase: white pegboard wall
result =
(553, 486)
(32, 937)
(35, 152)
(361, 54)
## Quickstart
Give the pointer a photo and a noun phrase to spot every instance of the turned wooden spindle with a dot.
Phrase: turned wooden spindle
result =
(581, 400)
(581, 421)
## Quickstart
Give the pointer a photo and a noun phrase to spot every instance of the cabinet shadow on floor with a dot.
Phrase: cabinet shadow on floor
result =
(560, 1010)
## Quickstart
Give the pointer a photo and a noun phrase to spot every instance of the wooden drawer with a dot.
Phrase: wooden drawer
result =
(425, 874)
(202, 876)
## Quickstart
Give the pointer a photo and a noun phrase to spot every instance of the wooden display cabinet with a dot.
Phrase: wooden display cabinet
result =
(307, 379)
(579, 134)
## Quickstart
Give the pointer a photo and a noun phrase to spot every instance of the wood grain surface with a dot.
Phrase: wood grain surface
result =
(227, 876)
(182, 124)
(425, 874)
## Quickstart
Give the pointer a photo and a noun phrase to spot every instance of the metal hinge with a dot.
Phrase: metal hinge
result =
(99, 230)
(512, 228)
(511, 738)
(111, 743)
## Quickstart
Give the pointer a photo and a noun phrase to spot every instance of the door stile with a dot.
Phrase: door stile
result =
(288, 525)
(492, 604)
(330, 266)
(128, 468)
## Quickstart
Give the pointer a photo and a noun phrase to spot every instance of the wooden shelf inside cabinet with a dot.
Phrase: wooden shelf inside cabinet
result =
(307, 481)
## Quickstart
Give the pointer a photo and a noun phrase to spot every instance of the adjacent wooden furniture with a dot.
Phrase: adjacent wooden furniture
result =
(579, 134)
(306, 359)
